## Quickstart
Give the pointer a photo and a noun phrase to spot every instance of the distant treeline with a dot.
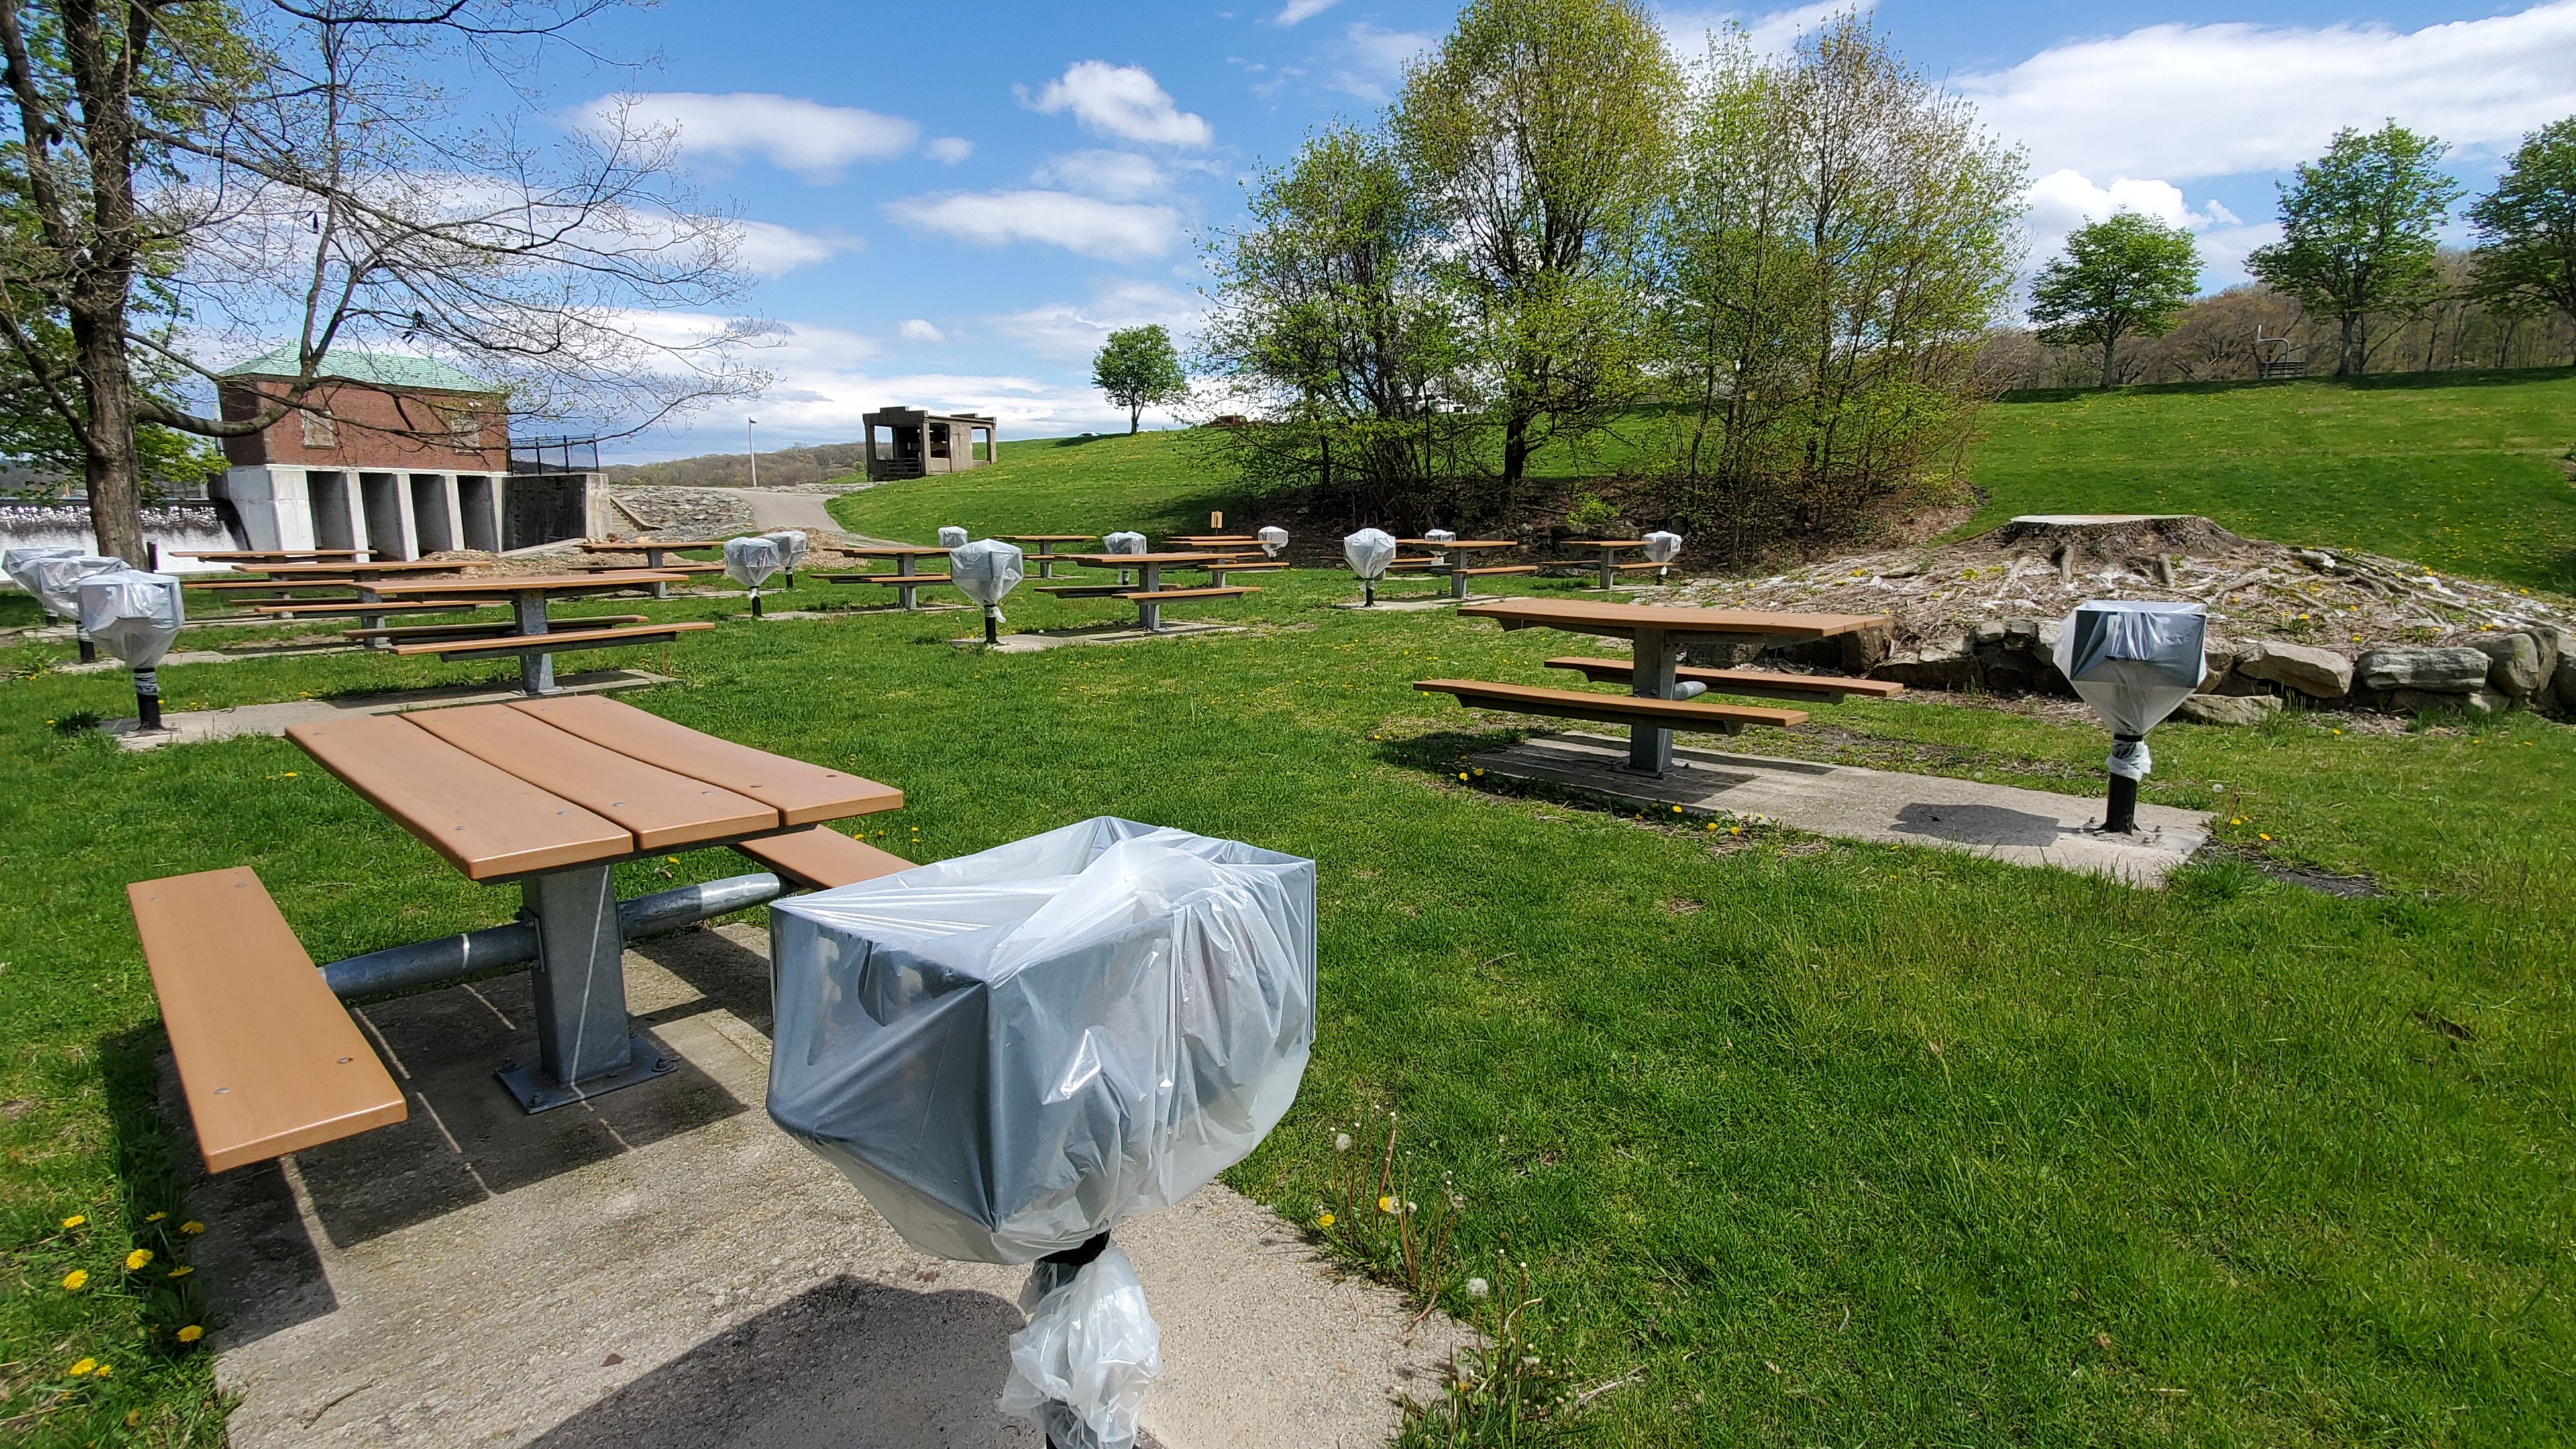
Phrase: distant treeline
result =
(2214, 340)
(782, 469)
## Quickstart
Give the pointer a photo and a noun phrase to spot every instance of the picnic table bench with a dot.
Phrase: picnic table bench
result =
(1760, 682)
(532, 636)
(545, 794)
(1606, 565)
(1460, 573)
(1653, 710)
(656, 551)
(1149, 600)
(906, 581)
(1046, 543)
(268, 555)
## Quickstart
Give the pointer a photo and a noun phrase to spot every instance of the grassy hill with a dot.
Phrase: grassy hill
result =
(2467, 472)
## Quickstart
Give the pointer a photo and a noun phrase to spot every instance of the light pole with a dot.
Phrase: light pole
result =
(751, 444)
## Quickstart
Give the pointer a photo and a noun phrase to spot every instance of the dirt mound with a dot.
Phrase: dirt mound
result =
(2041, 567)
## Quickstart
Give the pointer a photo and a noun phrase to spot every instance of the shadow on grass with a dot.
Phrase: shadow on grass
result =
(1442, 752)
(2383, 382)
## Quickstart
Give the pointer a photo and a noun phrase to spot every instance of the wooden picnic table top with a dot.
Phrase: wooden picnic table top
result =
(1460, 543)
(1603, 543)
(1600, 617)
(280, 555)
(898, 550)
(352, 570)
(1132, 560)
(504, 790)
(1213, 538)
(614, 545)
(1047, 537)
(535, 583)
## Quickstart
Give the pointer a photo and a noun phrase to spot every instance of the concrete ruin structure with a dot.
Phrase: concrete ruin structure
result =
(909, 442)
(401, 456)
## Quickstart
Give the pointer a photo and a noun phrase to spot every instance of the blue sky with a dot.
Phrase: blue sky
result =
(950, 205)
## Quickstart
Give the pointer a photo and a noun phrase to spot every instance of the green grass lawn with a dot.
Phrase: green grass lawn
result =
(2465, 472)
(1823, 1143)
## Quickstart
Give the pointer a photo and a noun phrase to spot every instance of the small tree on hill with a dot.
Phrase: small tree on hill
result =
(1138, 368)
(2357, 232)
(2129, 274)
(2528, 226)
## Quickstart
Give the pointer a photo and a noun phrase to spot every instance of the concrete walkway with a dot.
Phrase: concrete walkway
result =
(2025, 827)
(773, 509)
(664, 1267)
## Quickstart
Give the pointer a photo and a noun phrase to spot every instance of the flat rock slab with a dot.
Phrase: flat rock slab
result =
(1033, 643)
(197, 727)
(2024, 827)
(663, 1267)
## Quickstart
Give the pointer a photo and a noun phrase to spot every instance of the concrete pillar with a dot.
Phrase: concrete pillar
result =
(479, 511)
(455, 509)
(333, 511)
(385, 510)
(433, 517)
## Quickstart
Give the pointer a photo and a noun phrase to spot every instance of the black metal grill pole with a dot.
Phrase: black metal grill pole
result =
(755, 601)
(2123, 818)
(992, 628)
(147, 700)
(1075, 1258)
(1368, 593)
(88, 650)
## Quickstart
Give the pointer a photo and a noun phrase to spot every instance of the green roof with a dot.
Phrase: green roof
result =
(384, 369)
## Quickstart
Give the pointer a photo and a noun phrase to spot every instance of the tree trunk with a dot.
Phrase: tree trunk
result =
(108, 464)
(1134, 412)
(2110, 368)
(1516, 454)
(2345, 345)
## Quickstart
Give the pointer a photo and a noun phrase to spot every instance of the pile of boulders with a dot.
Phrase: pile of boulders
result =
(1984, 615)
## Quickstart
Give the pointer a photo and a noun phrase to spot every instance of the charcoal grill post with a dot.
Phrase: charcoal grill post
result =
(2123, 816)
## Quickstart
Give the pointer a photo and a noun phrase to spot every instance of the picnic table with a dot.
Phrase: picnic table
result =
(532, 636)
(1046, 543)
(1150, 598)
(1609, 550)
(1460, 573)
(653, 550)
(550, 795)
(905, 581)
(362, 579)
(268, 555)
(1657, 634)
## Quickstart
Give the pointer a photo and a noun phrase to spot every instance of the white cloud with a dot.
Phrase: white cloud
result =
(2187, 101)
(1117, 175)
(1297, 10)
(1073, 331)
(1084, 225)
(1770, 32)
(2065, 199)
(920, 329)
(1123, 101)
(771, 250)
(1373, 59)
(948, 150)
(811, 139)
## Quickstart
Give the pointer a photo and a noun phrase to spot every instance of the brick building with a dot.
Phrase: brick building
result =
(401, 456)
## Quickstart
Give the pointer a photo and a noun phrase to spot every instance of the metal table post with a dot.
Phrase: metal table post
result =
(1147, 610)
(1046, 559)
(584, 1046)
(653, 559)
(368, 595)
(536, 666)
(1650, 747)
(906, 595)
(1607, 555)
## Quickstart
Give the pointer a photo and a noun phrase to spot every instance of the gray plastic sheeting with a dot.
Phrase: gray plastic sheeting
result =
(2134, 662)
(986, 571)
(1368, 552)
(1009, 1052)
(131, 614)
(750, 561)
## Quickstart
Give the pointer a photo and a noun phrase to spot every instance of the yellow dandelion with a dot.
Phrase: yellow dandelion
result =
(154, 1217)
(1677, 810)
(191, 1333)
(182, 1271)
(75, 1220)
(84, 1368)
(192, 1227)
(105, 1369)
(75, 1280)
(135, 1261)
(1324, 1221)
(1386, 1204)
(2260, 835)
(289, 775)
(1462, 774)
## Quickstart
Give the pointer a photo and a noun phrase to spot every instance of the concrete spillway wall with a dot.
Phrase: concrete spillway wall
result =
(185, 528)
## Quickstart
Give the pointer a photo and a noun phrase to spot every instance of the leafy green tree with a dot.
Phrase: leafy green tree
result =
(1540, 135)
(2129, 274)
(1138, 368)
(2357, 233)
(1841, 235)
(2527, 226)
(1330, 326)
